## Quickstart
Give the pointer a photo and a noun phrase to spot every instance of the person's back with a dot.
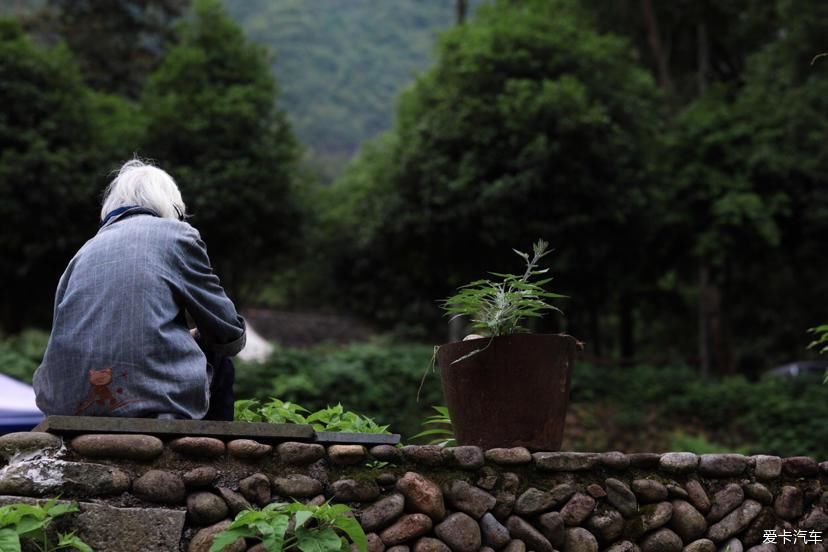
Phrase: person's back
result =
(120, 345)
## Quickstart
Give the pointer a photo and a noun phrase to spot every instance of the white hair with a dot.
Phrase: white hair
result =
(145, 185)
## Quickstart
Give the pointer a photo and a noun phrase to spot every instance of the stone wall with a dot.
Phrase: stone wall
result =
(142, 493)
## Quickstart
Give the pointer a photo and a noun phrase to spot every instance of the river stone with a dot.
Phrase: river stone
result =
(535, 501)
(487, 549)
(466, 457)
(256, 488)
(511, 482)
(674, 490)
(298, 454)
(533, 539)
(623, 546)
(504, 506)
(422, 495)
(564, 461)
(398, 548)
(126, 447)
(26, 442)
(725, 501)
(552, 527)
(755, 533)
(353, 490)
(607, 525)
(460, 532)
(375, 544)
(296, 485)
(509, 456)
(816, 520)
(620, 496)
(735, 522)
(758, 492)
(662, 540)
(767, 467)
(494, 533)
(248, 449)
(159, 486)
(487, 479)
(722, 465)
(687, 522)
(679, 462)
(654, 516)
(202, 476)
(428, 544)
(202, 447)
(206, 508)
(382, 512)
(614, 460)
(235, 501)
(649, 490)
(732, 545)
(203, 539)
(789, 503)
(346, 455)
(700, 545)
(516, 545)
(766, 548)
(427, 455)
(386, 479)
(406, 528)
(46, 476)
(579, 539)
(697, 496)
(578, 508)
(386, 453)
(469, 499)
(596, 491)
(800, 466)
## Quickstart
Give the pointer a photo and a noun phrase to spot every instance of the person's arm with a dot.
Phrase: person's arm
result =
(220, 327)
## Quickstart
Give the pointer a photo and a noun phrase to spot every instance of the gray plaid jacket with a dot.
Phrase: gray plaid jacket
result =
(119, 344)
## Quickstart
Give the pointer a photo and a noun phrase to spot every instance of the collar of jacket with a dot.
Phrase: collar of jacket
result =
(124, 212)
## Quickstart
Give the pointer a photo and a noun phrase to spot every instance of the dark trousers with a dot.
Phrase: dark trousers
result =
(221, 388)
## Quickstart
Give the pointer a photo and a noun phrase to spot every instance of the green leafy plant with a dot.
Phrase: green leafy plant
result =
(320, 528)
(332, 418)
(29, 522)
(500, 307)
(377, 464)
(438, 428)
(820, 342)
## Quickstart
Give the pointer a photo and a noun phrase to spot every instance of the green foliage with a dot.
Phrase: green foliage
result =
(377, 380)
(338, 90)
(316, 528)
(438, 428)
(214, 125)
(27, 523)
(527, 115)
(20, 355)
(332, 418)
(57, 141)
(498, 308)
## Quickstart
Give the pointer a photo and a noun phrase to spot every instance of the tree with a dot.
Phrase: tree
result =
(530, 125)
(117, 43)
(214, 125)
(58, 140)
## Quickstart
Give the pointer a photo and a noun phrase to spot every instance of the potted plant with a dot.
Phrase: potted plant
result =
(503, 386)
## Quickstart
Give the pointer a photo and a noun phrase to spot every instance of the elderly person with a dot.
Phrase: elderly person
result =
(120, 343)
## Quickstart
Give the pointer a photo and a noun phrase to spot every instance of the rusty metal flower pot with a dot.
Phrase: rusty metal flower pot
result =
(513, 394)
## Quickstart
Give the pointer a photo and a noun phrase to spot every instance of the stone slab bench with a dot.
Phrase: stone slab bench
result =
(76, 425)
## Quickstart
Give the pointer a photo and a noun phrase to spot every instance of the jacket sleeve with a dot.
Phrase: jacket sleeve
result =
(222, 329)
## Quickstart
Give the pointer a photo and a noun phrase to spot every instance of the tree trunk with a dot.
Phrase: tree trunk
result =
(626, 328)
(460, 10)
(656, 47)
